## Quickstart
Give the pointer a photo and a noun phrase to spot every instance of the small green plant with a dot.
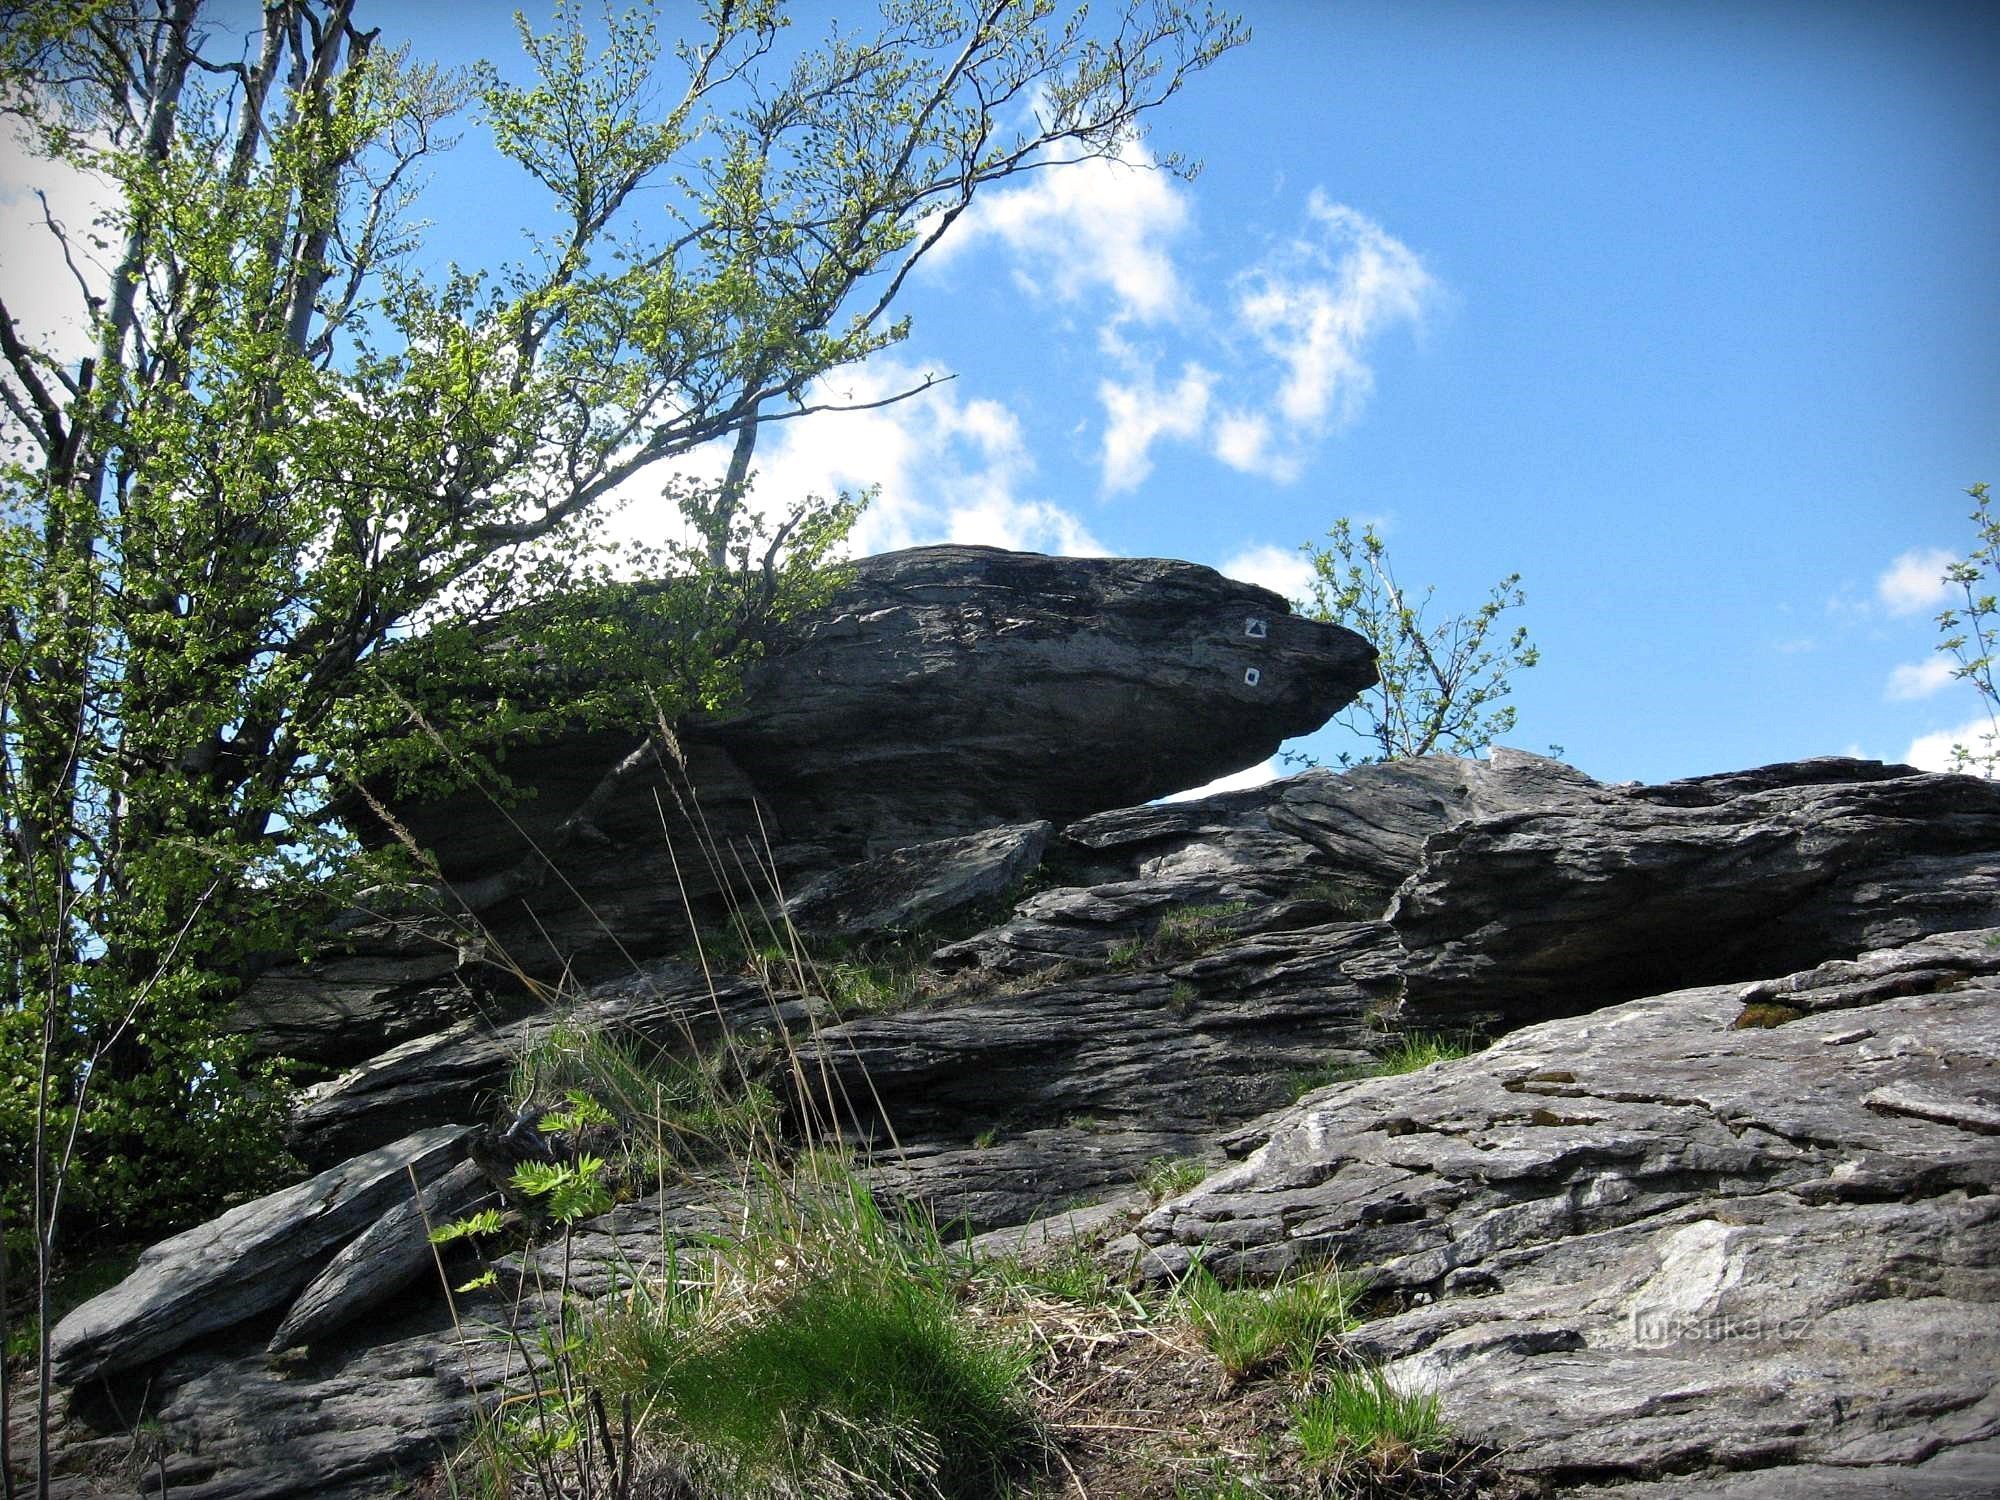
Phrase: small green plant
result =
(1182, 932)
(1360, 1413)
(1406, 1054)
(1419, 1049)
(1250, 1328)
(1971, 632)
(1167, 1177)
(1439, 682)
(667, 1113)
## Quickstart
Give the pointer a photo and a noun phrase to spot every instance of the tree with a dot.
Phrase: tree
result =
(1438, 682)
(1968, 632)
(295, 461)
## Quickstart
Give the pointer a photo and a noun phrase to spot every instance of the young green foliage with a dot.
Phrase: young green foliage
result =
(1441, 681)
(1971, 632)
(283, 530)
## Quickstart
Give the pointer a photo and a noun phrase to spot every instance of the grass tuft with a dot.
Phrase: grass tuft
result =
(1250, 1328)
(1358, 1412)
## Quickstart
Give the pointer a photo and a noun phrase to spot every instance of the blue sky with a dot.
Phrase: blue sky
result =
(1689, 313)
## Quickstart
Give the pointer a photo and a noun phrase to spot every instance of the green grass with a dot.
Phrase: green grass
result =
(1250, 1328)
(1183, 932)
(1068, 1274)
(1167, 1177)
(824, 1354)
(1407, 1054)
(1357, 1412)
(670, 1113)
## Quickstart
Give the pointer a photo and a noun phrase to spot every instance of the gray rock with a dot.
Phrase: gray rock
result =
(1342, 841)
(368, 1412)
(907, 888)
(953, 688)
(382, 1259)
(378, 982)
(1198, 1042)
(459, 1074)
(1650, 1241)
(1608, 893)
(252, 1258)
(944, 690)
(1024, 1175)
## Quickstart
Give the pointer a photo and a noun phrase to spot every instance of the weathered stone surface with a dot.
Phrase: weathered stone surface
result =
(948, 689)
(379, 982)
(1344, 841)
(1210, 1039)
(383, 1259)
(945, 690)
(1648, 1241)
(954, 688)
(1024, 1175)
(366, 1413)
(1616, 892)
(907, 888)
(458, 1074)
(253, 1257)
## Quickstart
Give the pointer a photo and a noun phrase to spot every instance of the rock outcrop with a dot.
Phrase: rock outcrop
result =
(1609, 893)
(1657, 1239)
(942, 692)
(1714, 1214)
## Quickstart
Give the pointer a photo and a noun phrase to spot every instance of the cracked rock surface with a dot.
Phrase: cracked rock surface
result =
(1650, 1242)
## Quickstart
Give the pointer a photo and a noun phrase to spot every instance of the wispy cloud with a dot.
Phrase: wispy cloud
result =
(1922, 679)
(1293, 335)
(1288, 337)
(1914, 582)
(1283, 570)
(949, 469)
(1102, 224)
(1138, 413)
(1314, 306)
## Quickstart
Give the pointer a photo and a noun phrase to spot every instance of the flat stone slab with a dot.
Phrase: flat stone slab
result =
(255, 1257)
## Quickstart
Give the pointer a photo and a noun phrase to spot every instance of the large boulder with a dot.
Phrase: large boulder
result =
(253, 1258)
(948, 689)
(942, 691)
(1670, 1235)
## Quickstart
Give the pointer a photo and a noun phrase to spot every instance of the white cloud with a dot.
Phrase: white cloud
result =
(1282, 570)
(39, 287)
(1138, 414)
(949, 469)
(1236, 781)
(1932, 752)
(1300, 324)
(1083, 225)
(1915, 582)
(1314, 306)
(1920, 679)
(1242, 440)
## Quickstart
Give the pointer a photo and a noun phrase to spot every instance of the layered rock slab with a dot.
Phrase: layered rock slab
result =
(1606, 893)
(1650, 1241)
(252, 1258)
